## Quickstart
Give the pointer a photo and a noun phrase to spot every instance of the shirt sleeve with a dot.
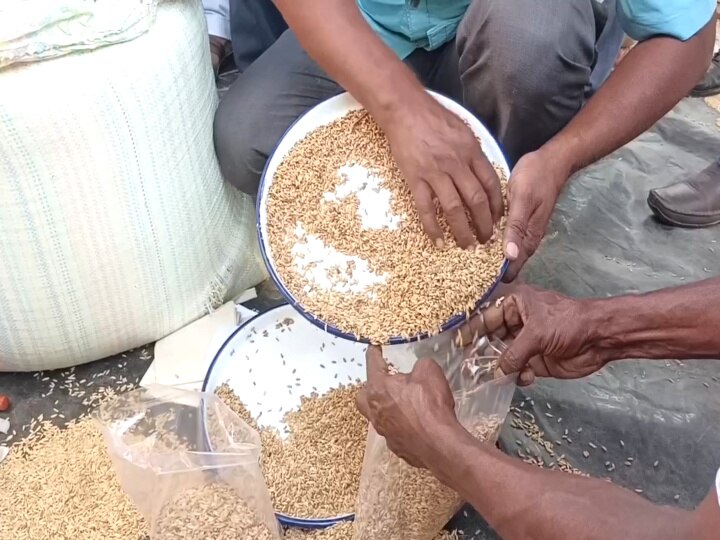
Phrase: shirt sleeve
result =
(681, 19)
(217, 13)
(717, 485)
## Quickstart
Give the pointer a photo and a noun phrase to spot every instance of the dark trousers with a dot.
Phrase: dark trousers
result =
(523, 67)
(254, 26)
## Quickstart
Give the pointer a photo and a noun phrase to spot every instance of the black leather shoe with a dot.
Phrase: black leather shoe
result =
(691, 203)
(710, 85)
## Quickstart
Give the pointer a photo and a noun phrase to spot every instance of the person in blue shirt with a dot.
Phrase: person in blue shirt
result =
(538, 73)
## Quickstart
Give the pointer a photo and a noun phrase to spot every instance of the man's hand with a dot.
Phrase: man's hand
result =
(218, 46)
(654, 76)
(535, 186)
(551, 335)
(410, 411)
(441, 158)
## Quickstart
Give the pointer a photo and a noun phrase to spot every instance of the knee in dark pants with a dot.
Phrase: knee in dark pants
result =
(235, 130)
(525, 66)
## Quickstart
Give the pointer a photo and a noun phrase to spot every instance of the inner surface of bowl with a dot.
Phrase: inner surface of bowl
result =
(323, 114)
(275, 351)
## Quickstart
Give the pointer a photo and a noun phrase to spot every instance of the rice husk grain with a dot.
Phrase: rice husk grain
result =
(399, 501)
(315, 471)
(211, 511)
(60, 484)
(425, 285)
(344, 531)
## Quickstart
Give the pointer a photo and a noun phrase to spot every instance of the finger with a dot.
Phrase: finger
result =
(362, 403)
(518, 218)
(425, 205)
(519, 353)
(375, 365)
(527, 377)
(485, 172)
(491, 322)
(539, 366)
(532, 236)
(512, 312)
(454, 210)
(473, 194)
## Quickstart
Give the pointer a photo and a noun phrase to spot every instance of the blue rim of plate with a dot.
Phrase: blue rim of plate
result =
(451, 324)
(284, 519)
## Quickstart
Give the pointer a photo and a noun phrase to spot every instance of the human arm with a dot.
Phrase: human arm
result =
(557, 336)
(415, 414)
(652, 78)
(521, 501)
(437, 153)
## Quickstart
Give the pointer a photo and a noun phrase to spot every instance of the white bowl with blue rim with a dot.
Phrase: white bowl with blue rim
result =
(322, 114)
(272, 360)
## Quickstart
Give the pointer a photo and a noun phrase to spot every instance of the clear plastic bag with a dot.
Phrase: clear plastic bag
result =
(399, 502)
(190, 465)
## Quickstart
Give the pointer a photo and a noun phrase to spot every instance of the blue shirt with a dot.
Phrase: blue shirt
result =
(433, 23)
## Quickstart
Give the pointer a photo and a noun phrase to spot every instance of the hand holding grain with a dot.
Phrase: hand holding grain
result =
(440, 157)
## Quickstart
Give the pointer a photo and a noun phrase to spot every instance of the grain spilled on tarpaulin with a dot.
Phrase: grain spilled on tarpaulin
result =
(315, 471)
(347, 240)
(61, 484)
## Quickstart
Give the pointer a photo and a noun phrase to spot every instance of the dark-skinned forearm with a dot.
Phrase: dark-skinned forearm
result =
(652, 78)
(336, 35)
(680, 322)
(523, 502)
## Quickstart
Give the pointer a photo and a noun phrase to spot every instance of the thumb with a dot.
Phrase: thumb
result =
(519, 353)
(514, 239)
(362, 403)
(375, 363)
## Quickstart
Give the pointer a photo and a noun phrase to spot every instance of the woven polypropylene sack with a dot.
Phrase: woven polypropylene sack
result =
(116, 228)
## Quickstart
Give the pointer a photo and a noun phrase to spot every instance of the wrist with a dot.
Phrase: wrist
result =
(446, 447)
(562, 152)
(613, 322)
(399, 100)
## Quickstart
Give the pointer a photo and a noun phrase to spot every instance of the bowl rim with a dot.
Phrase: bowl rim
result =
(451, 324)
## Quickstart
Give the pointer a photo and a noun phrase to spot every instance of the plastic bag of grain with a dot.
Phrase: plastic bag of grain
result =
(190, 464)
(396, 500)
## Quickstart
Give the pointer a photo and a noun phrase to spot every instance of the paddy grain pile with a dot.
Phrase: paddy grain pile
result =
(347, 241)
(212, 511)
(313, 472)
(61, 484)
(344, 531)
(399, 501)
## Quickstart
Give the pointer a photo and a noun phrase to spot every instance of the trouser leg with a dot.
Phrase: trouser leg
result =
(255, 25)
(261, 105)
(525, 67)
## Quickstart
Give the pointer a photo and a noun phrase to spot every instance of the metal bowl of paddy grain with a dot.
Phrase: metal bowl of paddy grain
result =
(312, 450)
(341, 238)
